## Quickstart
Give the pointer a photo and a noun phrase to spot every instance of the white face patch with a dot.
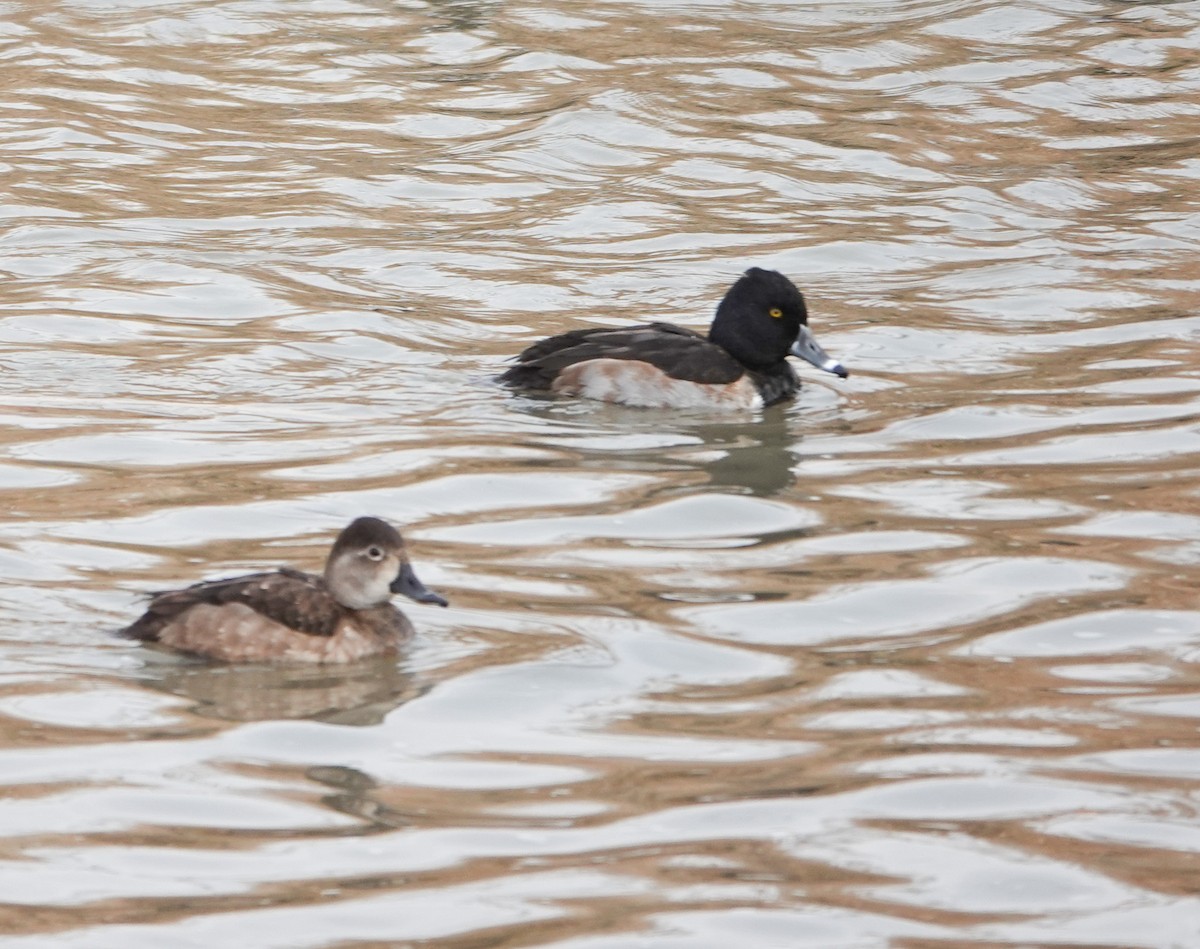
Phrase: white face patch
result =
(360, 583)
(629, 382)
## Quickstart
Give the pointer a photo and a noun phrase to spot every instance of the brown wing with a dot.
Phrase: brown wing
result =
(680, 353)
(295, 599)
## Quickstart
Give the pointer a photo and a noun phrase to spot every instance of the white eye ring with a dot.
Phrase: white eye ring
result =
(374, 553)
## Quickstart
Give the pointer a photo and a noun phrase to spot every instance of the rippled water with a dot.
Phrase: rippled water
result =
(909, 662)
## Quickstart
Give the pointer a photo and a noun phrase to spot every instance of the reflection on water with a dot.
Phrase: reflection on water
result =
(750, 452)
(357, 694)
(910, 661)
(755, 458)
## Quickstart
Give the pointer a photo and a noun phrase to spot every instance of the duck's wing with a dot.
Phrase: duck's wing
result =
(292, 598)
(678, 352)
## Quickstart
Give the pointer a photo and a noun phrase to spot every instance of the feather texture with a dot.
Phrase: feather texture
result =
(678, 352)
(761, 320)
(292, 598)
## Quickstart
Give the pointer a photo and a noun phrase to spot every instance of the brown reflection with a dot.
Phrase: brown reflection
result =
(352, 794)
(355, 694)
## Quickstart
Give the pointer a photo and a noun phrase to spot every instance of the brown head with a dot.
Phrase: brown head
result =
(368, 563)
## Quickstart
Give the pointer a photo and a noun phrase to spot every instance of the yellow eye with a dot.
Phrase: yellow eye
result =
(775, 312)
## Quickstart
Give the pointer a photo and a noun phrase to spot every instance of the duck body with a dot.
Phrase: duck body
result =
(282, 615)
(288, 615)
(655, 365)
(741, 363)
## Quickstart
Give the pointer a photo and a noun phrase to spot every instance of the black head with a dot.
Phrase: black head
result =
(758, 320)
(763, 319)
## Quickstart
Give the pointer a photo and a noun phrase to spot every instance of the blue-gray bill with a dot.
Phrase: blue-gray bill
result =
(808, 349)
(406, 582)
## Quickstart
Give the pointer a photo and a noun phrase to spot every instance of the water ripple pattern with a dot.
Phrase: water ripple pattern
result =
(911, 661)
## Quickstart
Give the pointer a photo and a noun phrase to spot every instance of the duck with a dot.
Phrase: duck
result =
(343, 615)
(741, 363)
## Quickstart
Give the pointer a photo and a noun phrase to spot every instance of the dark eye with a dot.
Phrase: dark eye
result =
(775, 312)
(375, 553)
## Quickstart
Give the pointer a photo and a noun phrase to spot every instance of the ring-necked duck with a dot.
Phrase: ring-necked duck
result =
(741, 363)
(286, 614)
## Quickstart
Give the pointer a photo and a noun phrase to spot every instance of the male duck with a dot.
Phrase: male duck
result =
(741, 364)
(288, 615)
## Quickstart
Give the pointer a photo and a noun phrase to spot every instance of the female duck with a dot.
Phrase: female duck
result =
(288, 615)
(742, 363)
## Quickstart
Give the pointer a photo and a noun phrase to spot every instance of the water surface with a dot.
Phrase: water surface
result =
(908, 662)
